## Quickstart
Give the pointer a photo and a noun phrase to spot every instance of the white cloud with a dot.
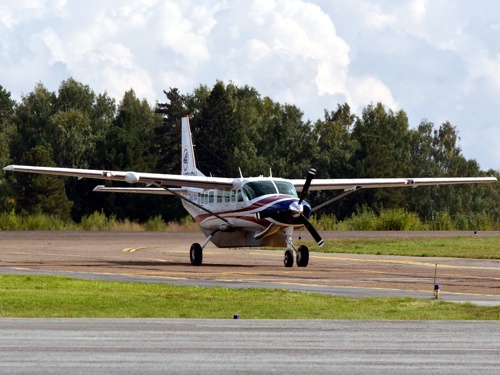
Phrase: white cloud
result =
(7, 19)
(365, 90)
(418, 10)
(50, 39)
(289, 50)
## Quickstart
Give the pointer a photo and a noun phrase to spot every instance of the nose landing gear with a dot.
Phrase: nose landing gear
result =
(301, 254)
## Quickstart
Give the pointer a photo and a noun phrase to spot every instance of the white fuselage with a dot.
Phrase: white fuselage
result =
(245, 210)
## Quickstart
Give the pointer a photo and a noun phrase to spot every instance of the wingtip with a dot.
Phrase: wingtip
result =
(8, 168)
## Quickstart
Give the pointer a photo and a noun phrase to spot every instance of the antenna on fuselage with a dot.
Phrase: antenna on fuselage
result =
(270, 173)
(241, 173)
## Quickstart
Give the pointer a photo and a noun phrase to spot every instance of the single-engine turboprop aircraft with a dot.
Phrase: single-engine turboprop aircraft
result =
(245, 211)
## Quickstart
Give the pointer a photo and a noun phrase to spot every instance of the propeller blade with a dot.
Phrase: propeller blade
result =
(305, 189)
(313, 231)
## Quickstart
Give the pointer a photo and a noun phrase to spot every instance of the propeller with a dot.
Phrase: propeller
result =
(313, 231)
(304, 220)
(305, 189)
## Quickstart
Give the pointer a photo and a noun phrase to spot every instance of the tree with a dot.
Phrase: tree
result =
(383, 151)
(36, 193)
(31, 120)
(286, 143)
(72, 140)
(247, 154)
(214, 132)
(6, 106)
(446, 149)
(131, 146)
(6, 132)
(333, 158)
(168, 135)
(422, 200)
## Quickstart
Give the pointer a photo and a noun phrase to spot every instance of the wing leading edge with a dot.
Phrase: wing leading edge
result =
(155, 179)
(367, 183)
(204, 182)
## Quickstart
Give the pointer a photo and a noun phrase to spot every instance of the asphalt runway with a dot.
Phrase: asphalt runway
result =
(176, 346)
(163, 257)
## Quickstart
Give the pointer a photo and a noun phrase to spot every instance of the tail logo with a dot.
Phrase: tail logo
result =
(185, 160)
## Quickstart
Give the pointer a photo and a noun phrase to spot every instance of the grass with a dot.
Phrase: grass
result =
(57, 297)
(396, 219)
(455, 247)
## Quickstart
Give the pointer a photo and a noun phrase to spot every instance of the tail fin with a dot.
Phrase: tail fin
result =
(187, 158)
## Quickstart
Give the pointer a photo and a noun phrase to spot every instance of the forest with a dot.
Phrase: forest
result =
(233, 128)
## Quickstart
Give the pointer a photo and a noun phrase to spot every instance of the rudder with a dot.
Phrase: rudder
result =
(188, 163)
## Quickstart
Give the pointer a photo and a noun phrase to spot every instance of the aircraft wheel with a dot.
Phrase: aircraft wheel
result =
(288, 259)
(302, 256)
(196, 254)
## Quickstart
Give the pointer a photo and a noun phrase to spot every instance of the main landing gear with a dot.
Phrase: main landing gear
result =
(301, 254)
(196, 254)
(196, 251)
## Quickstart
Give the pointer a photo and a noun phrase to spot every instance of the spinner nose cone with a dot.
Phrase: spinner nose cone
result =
(296, 209)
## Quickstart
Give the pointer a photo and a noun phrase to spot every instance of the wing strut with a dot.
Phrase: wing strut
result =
(197, 205)
(340, 196)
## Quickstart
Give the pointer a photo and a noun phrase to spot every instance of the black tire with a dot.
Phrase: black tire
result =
(196, 254)
(302, 256)
(288, 259)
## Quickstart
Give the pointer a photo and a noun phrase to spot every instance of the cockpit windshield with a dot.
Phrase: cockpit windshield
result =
(256, 189)
(285, 187)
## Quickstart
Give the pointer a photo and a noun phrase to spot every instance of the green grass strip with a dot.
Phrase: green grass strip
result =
(454, 247)
(56, 297)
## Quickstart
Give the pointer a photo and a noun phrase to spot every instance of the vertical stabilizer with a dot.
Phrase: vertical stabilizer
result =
(188, 164)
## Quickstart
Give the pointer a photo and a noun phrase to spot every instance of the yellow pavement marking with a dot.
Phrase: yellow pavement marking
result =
(132, 249)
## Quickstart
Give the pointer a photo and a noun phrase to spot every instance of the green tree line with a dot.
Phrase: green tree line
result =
(233, 127)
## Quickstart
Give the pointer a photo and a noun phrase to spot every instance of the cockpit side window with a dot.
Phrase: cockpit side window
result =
(248, 192)
(256, 189)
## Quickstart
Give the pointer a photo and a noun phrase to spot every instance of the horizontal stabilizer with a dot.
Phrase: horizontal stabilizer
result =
(136, 190)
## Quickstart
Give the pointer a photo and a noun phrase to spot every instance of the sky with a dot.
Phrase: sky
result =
(437, 60)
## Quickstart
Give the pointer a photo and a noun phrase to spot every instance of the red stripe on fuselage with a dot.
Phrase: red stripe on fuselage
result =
(246, 213)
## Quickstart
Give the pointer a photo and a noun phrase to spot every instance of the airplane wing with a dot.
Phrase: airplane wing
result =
(367, 183)
(156, 179)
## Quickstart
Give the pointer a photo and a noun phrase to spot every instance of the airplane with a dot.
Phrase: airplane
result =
(245, 211)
